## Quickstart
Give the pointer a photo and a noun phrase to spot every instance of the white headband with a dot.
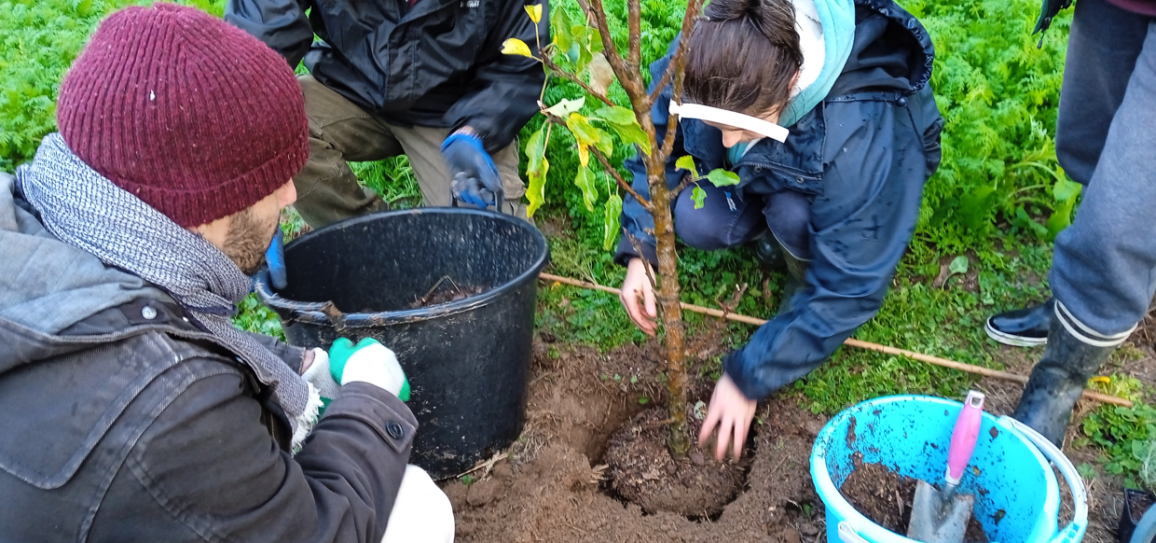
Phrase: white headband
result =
(729, 118)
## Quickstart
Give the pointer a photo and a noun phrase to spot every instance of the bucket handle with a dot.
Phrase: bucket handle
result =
(848, 534)
(1074, 531)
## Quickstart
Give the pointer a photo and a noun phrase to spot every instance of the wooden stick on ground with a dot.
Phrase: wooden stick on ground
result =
(852, 342)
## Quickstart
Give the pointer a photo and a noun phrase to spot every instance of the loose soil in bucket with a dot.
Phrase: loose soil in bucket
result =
(642, 471)
(886, 497)
(445, 290)
(552, 484)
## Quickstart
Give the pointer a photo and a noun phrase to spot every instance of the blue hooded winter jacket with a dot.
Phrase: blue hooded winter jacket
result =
(860, 157)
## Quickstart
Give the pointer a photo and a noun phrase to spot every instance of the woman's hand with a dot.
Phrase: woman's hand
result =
(732, 412)
(637, 296)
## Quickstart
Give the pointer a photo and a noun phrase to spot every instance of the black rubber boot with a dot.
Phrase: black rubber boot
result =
(768, 252)
(1057, 381)
(796, 271)
(1026, 327)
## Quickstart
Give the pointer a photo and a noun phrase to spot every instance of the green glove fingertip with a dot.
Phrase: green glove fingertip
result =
(339, 354)
(404, 394)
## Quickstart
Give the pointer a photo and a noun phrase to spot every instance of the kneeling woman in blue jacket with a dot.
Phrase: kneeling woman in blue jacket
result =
(838, 190)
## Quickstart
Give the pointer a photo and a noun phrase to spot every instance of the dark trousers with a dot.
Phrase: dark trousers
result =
(1104, 267)
(727, 220)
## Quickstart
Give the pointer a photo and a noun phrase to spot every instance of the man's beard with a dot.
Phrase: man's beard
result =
(247, 241)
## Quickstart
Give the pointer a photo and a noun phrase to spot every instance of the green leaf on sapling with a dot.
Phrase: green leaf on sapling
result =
(611, 225)
(699, 197)
(585, 181)
(722, 178)
(686, 163)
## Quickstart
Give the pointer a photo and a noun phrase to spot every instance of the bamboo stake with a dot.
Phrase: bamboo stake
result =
(852, 342)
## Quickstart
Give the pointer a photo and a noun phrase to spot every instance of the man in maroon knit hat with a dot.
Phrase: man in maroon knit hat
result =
(135, 409)
(423, 78)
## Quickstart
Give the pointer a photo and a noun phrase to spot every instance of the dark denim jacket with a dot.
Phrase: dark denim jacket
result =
(861, 158)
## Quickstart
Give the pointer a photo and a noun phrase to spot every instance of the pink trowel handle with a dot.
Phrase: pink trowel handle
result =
(964, 436)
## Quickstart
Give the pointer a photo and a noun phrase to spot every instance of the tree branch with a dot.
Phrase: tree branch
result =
(577, 80)
(631, 80)
(678, 62)
(621, 182)
(634, 27)
(637, 244)
(678, 65)
(687, 181)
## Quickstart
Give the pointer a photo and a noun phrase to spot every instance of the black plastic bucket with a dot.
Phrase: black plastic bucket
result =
(468, 360)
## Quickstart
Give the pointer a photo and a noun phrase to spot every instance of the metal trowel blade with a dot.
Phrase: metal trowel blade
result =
(935, 520)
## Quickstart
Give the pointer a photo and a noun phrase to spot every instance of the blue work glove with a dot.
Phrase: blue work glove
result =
(475, 178)
(369, 362)
(275, 257)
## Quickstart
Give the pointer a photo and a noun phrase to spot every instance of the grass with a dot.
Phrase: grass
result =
(986, 205)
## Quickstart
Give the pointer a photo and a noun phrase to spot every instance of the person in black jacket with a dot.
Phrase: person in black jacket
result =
(136, 411)
(823, 110)
(423, 78)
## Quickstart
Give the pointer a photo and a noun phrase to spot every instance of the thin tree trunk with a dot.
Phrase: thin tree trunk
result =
(671, 311)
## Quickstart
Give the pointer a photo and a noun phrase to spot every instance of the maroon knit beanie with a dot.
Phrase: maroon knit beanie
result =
(193, 116)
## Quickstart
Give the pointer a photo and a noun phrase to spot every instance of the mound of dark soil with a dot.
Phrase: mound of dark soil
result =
(642, 471)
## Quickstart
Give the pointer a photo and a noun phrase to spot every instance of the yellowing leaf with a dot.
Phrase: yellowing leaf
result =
(536, 191)
(583, 154)
(722, 178)
(611, 225)
(686, 163)
(535, 12)
(514, 46)
(536, 148)
(536, 168)
(601, 74)
(585, 181)
(583, 131)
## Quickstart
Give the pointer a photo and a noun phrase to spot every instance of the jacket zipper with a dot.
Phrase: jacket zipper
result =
(272, 428)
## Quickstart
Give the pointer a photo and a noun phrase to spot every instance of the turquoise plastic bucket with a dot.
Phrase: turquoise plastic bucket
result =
(1017, 496)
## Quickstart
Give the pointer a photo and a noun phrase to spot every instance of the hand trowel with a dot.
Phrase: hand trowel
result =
(940, 516)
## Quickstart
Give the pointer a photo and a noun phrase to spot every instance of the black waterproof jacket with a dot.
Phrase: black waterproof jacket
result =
(125, 424)
(437, 64)
(860, 157)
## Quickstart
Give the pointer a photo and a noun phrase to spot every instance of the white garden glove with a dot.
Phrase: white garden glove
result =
(318, 374)
(369, 362)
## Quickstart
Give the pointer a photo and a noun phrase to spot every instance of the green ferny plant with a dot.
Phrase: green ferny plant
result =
(584, 53)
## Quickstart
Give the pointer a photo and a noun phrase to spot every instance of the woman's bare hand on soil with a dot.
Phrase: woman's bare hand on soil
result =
(637, 296)
(732, 412)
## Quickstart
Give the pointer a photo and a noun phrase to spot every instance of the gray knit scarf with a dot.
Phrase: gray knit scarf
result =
(84, 209)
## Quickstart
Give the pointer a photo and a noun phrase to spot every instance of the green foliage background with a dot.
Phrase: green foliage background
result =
(997, 199)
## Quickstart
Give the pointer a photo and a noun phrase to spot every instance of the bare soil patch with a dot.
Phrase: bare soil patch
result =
(551, 486)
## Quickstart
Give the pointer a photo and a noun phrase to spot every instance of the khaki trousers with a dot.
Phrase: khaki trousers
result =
(340, 131)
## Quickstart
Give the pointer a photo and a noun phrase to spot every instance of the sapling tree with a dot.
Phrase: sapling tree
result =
(584, 53)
